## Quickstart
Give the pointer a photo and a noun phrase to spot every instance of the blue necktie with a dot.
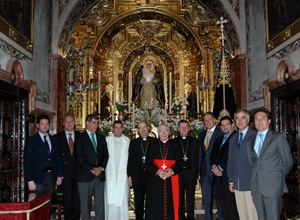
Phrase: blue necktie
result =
(261, 140)
(46, 144)
(241, 139)
(224, 139)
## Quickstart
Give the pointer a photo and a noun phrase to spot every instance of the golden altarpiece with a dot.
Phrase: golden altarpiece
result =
(110, 45)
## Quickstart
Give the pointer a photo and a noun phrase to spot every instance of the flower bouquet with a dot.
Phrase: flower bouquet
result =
(178, 103)
(197, 127)
(127, 127)
(157, 116)
(104, 128)
(122, 105)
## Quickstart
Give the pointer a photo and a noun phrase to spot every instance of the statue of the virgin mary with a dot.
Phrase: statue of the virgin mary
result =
(148, 85)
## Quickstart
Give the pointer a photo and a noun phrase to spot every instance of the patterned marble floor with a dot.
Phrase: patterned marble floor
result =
(199, 212)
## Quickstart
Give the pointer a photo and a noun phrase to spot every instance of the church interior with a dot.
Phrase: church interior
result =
(86, 56)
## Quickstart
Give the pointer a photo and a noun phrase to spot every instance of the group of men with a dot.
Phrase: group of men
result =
(245, 169)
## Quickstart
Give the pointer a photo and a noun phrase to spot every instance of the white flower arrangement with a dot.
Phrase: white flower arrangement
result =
(140, 115)
(127, 125)
(157, 116)
(104, 128)
(173, 126)
(178, 103)
(197, 127)
(122, 105)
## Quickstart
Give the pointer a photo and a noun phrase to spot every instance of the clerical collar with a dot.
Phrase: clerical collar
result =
(183, 138)
(165, 141)
(144, 139)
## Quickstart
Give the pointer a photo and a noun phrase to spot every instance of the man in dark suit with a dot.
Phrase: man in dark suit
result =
(137, 160)
(42, 162)
(238, 167)
(69, 186)
(207, 139)
(219, 159)
(188, 177)
(271, 160)
(92, 157)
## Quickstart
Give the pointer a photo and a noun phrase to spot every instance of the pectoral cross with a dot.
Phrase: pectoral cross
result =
(164, 166)
(144, 159)
(185, 158)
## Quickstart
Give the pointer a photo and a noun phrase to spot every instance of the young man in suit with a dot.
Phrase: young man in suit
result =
(42, 162)
(207, 139)
(92, 157)
(219, 159)
(238, 167)
(137, 160)
(69, 186)
(188, 177)
(270, 156)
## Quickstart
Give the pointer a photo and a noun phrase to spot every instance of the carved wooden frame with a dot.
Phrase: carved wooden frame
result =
(15, 34)
(274, 39)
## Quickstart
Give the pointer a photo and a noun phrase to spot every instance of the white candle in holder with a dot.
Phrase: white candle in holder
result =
(133, 116)
(170, 93)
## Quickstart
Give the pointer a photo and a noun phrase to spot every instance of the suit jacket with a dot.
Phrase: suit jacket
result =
(68, 161)
(238, 167)
(36, 159)
(219, 157)
(135, 163)
(272, 166)
(204, 155)
(86, 157)
(192, 153)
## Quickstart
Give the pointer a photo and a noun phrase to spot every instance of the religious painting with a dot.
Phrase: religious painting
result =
(17, 14)
(282, 20)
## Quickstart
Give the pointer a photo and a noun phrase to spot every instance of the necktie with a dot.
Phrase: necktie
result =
(207, 139)
(241, 139)
(93, 141)
(71, 143)
(46, 144)
(261, 140)
(224, 139)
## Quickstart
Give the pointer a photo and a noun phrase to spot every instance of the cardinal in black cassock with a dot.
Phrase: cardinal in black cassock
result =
(165, 162)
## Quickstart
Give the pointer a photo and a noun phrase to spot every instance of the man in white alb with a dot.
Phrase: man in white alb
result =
(116, 185)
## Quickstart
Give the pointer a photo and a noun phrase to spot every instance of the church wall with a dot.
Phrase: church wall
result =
(41, 54)
(262, 66)
(36, 65)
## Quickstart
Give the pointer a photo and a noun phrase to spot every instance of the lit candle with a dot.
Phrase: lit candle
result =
(165, 113)
(112, 110)
(129, 91)
(182, 79)
(197, 92)
(133, 117)
(99, 92)
(170, 92)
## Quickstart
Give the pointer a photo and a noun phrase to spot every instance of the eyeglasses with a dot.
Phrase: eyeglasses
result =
(225, 125)
(163, 130)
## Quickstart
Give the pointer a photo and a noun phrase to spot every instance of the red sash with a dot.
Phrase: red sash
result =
(164, 165)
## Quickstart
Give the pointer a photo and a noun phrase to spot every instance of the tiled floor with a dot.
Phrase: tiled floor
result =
(198, 207)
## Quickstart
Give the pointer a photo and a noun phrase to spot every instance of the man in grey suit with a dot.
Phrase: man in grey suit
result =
(271, 160)
(238, 167)
(92, 158)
